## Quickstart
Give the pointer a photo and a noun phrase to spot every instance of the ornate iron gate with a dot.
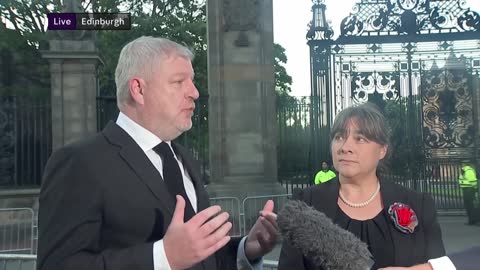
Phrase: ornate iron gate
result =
(419, 60)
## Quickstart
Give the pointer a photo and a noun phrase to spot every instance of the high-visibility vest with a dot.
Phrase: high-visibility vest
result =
(468, 178)
(323, 177)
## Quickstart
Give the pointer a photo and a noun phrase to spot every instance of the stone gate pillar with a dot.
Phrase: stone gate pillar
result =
(242, 116)
(74, 60)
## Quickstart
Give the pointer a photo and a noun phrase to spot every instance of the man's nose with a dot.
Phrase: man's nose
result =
(193, 92)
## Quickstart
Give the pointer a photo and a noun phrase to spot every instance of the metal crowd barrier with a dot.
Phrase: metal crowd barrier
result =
(245, 217)
(270, 265)
(18, 225)
(35, 232)
(18, 262)
(232, 206)
(16, 230)
(29, 262)
(251, 206)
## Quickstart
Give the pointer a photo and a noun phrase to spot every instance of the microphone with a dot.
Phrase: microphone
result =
(322, 241)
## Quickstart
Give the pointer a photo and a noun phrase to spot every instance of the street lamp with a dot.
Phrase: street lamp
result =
(319, 20)
(319, 28)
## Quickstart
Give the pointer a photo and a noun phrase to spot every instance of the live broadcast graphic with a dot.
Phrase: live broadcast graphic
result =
(89, 21)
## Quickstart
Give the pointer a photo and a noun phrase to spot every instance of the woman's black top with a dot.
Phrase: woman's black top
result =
(374, 232)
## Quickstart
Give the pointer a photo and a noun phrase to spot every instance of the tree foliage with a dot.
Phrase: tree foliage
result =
(24, 71)
(283, 81)
(28, 17)
(183, 21)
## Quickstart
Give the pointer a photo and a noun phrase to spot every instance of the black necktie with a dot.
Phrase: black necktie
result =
(173, 176)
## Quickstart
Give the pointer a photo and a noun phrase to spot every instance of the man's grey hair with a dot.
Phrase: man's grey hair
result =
(141, 57)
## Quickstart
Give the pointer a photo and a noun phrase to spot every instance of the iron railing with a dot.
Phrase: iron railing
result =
(107, 110)
(25, 143)
(438, 177)
(26, 146)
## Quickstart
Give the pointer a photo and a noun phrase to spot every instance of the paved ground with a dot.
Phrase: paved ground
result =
(456, 235)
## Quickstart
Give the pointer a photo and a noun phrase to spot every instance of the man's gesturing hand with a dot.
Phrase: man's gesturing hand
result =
(262, 238)
(189, 243)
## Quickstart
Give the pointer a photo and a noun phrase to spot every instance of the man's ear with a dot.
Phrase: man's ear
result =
(136, 87)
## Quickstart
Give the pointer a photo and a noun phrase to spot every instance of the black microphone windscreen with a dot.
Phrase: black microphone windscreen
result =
(319, 239)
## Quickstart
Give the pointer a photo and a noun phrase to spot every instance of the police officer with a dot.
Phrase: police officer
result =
(325, 174)
(468, 182)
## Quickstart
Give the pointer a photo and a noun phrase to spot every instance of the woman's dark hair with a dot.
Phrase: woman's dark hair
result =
(370, 122)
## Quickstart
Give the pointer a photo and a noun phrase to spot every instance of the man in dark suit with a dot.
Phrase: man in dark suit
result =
(129, 198)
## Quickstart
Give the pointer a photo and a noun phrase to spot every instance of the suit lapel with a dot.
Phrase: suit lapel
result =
(331, 198)
(194, 172)
(187, 163)
(139, 163)
(326, 199)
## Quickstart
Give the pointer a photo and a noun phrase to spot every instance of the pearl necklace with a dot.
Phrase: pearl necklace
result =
(359, 205)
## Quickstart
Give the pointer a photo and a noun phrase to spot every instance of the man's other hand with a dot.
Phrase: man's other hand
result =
(187, 244)
(262, 238)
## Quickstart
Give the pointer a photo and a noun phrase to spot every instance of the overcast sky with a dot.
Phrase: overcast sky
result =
(290, 27)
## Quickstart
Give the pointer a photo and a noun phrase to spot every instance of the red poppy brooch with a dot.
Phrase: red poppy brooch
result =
(403, 217)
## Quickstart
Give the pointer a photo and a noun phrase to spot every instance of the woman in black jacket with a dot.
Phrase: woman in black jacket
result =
(399, 225)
